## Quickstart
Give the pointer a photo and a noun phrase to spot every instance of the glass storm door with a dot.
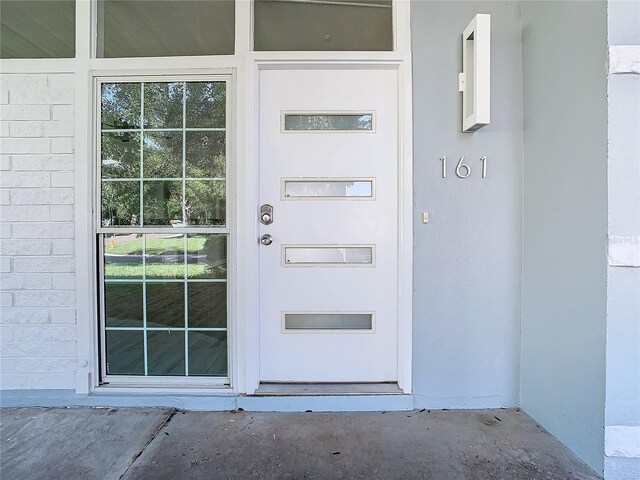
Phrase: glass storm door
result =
(163, 230)
(328, 225)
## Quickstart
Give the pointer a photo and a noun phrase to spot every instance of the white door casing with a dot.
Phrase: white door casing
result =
(357, 355)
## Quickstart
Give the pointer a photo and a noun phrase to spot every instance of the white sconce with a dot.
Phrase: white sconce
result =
(475, 80)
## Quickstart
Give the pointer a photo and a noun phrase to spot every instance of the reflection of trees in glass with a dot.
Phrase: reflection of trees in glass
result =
(120, 203)
(205, 154)
(329, 122)
(205, 203)
(215, 248)
(163, 105)
(121, 105)
(205, 104)
(120, 155)
(162, 156)
(162, 202)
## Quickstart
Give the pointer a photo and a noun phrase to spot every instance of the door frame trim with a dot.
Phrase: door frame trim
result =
(248, 300)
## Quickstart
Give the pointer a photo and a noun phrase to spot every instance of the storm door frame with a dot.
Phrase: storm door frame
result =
(229, 229)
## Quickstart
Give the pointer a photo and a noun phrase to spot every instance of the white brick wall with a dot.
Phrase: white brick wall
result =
(37, 280)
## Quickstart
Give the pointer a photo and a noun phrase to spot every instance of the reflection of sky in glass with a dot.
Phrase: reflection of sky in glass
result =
(107, 93)
(120, 155)
(359, 189)
(151, 142)
(337, 188)
(328, 255)
(175, 88)
(365, 122)
(120, 106)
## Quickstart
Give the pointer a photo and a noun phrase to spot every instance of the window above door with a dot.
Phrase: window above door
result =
(139, 28)
(98, 30)
(320, 25)
(37, 29)
(174, 28)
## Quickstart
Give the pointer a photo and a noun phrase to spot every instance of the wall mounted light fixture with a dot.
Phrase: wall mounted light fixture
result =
(475, 80)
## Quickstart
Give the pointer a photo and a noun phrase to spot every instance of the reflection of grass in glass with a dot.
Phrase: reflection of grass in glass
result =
(165, 257)
(160, 270)
(128, 270)
(157, 246)
(123, 270)
(205, 271)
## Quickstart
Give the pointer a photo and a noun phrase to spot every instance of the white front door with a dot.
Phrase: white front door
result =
(329, 277)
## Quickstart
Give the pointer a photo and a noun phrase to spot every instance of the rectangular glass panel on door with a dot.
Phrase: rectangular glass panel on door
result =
(328, 255)
(163, 230)
(343, 122)
(327, 188)
(328, 321)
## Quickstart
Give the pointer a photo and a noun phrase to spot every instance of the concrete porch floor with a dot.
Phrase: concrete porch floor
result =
(127, 443)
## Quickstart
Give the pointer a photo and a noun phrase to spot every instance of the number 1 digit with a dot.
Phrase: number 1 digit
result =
(444, 166)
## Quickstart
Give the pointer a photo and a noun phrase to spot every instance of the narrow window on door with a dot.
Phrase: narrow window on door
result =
(327, 188)
(327, 122)
(163, 228)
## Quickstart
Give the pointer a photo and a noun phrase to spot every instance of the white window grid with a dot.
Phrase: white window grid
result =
(185, 231)
(141, 131)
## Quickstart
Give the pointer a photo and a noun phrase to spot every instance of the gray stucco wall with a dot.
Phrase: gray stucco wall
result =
(467, 259)
(565, 222)
(623, 302)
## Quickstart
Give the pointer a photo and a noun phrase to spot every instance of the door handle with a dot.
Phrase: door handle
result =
(266, 239)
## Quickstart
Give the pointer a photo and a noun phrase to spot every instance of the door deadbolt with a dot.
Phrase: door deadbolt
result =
(266, 239)
(266, 214)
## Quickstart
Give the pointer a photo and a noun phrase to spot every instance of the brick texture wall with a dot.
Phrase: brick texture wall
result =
(37, 263)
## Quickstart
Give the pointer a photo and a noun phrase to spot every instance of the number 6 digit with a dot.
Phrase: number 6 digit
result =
(459, 168)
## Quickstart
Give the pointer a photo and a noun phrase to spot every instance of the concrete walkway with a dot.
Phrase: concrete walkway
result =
(159, 444)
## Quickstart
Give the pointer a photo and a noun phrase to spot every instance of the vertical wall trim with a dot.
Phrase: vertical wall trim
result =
(86, 321)
(402, 25)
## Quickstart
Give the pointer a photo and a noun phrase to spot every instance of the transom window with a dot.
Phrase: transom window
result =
(143, 28)
(171, 28)
(321, 25)
(37, 28)
(163, 228)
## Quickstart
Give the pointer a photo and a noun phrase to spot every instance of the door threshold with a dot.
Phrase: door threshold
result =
(307, 389)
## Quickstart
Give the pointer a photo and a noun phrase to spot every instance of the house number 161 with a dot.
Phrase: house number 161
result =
(463, 170)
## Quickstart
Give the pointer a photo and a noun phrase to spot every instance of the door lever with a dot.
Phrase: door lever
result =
(266, 214)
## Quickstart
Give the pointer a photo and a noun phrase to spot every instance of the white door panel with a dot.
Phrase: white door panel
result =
(316, 354)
